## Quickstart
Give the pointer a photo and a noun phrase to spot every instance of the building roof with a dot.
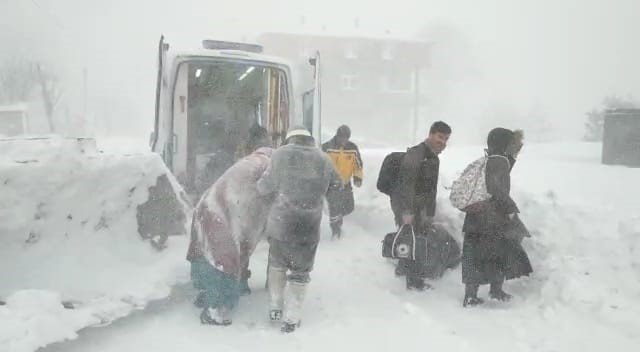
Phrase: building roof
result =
(346, 35)
(231, 55)
(623, 112)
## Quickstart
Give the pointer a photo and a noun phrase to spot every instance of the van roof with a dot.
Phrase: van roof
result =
(230, 54)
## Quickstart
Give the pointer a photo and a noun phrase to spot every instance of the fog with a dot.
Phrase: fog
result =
(517, 63)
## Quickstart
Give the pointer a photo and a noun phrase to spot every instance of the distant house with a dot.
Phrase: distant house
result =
(367, 82)
(13, 120)
(621, 137)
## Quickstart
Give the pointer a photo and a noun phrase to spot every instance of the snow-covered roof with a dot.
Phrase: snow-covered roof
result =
(13, 107)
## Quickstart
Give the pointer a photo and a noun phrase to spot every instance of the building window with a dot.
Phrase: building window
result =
(350, 82)
(397, 83)
(350, 53)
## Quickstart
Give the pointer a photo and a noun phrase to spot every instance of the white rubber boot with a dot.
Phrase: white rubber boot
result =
(296, 293)
(277, 279)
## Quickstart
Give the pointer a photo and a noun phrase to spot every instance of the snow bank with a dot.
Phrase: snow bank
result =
(69, 233)
(582, 296)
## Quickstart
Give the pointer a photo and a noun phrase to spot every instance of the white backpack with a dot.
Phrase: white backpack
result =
(471, 187)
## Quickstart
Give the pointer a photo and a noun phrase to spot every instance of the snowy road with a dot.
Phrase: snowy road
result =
(582, 297)
(355, 303)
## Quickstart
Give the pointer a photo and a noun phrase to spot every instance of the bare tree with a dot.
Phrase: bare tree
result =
(51, 93)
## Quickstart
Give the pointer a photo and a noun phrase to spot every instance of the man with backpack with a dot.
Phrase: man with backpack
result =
(346, 158)
(413, 194)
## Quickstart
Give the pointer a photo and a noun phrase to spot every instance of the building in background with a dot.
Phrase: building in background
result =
(369, 83)
(621, 137)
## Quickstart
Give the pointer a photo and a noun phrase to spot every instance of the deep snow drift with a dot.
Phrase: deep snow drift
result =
(68, 233)
(582, 296)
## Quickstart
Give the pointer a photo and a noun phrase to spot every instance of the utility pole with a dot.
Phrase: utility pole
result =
(84, 92)
(85, 98)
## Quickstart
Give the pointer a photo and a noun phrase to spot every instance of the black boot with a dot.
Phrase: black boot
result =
(289, 327)
(200, 301)
(416, 283)
(244, 283)
(336, 229)
(215, 316)
(496, 292)
(471, 296)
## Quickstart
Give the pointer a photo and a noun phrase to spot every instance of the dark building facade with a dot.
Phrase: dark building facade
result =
(371, 84)
(621, 137)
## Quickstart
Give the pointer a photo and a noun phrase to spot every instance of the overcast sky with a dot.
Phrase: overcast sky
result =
(561, 57)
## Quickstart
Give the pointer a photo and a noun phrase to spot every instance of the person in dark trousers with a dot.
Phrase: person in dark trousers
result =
(492, 250)
(298, 178)
(348, 163)
(413, 199)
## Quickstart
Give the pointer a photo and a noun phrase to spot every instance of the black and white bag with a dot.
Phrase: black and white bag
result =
(404, 244)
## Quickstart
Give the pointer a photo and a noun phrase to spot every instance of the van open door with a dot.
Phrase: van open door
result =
(159, 139)
(311, 103)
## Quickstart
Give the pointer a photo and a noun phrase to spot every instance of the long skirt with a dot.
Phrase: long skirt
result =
(220, 289)
(492, 258)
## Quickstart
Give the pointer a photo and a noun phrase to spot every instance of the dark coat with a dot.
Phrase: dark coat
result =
(298, 177)
(492, 250)
(417, 185)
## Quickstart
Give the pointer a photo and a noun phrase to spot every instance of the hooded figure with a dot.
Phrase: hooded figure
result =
(298, 179)
(491, 251)
(228, 223)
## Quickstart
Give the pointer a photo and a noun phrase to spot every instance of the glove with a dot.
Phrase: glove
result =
(511, 216)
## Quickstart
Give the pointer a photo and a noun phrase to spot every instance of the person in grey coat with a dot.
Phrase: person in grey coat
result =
(492, 250)
(298, 178)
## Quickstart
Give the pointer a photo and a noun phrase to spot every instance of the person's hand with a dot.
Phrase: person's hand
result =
(357, 182)
(407, 219)
(427, 222)
(511, 216)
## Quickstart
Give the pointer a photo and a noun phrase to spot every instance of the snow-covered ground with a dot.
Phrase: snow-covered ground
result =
(583, 295)
(69, 233)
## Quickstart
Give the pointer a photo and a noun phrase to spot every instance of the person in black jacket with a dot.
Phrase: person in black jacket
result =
(413, 199)
(491, 251)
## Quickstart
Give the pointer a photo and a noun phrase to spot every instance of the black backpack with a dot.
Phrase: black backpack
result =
(389, 172)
